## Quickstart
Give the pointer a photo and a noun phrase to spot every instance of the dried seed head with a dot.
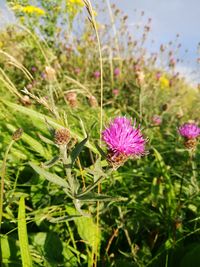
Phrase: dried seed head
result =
(62, 136)
(116, 160)
(50, 74)
(93, 101)
(71, 98)
(17, 134)
(190, 143)
(25, 100)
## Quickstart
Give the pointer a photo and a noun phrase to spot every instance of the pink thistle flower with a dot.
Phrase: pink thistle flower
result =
(97, 74)
(156, 120)
(123, 141)
(116, 92)
(158, 75)
(189, 130)
(117, 72)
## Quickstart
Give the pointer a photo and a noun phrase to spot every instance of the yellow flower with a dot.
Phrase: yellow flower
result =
(75, 2)
(164, 82)
(29, 10)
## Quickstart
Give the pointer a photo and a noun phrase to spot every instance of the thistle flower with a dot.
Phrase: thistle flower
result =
(97, 74)
(117, 72)
(189, 130)
(156, 120)
(123, 141)
(115, 92)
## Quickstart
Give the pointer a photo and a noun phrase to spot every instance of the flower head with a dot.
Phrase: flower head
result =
(123, 140)
(164, 82)
(116, 92)
(189, 130)
(156, 120)
(117, 71)
(97, 74)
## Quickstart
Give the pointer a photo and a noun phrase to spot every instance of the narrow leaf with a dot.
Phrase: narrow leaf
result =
(50, 176)
(76, 151)
(23, 237)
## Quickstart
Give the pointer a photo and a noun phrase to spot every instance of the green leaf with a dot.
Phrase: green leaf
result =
(50, 162)
(50, 176)
(9, 252)
(86, 227)
(23, 237)
(90, 197)
(76, 151)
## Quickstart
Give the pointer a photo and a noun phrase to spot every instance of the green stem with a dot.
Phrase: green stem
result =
(3, 172)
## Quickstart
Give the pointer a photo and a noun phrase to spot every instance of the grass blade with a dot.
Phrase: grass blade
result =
(23, 237)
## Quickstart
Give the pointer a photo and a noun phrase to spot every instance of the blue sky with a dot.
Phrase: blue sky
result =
(169, 17)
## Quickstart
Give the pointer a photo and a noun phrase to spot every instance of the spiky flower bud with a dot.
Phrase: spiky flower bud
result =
(17, 134)
(71, 98)
(62, 136)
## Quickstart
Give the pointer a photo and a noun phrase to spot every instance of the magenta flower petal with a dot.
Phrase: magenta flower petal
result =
(189, 130)
(124, 139)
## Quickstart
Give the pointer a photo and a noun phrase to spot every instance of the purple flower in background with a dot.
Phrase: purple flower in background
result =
(34, 69)
(156, 120)
(189, 130)
(123, 139)
(116, 92)
(77, 71)
(158, 75)
(117, 71)
(97, 74)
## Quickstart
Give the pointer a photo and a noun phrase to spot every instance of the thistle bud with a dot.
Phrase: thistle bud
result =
(62, 136)
(71, 98)
(17, 134)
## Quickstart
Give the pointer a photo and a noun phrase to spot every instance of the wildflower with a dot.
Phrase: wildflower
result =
(29, 10)
(115, 92)
(62, 136)
(158, 75)
(123, 141)
(156, 120)
(164, 82)
(74, 7)
(33, 69)
(77, 71)
(97, 74)
(75, 2)
(190, 131)
(117, 71)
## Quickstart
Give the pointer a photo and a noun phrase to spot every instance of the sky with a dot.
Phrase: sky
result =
(169, 17)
